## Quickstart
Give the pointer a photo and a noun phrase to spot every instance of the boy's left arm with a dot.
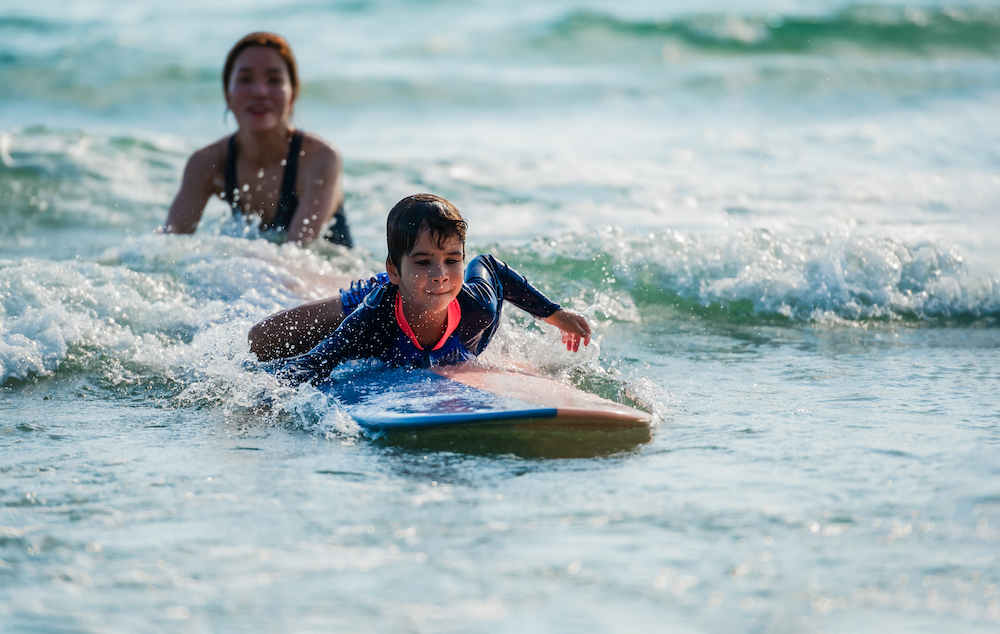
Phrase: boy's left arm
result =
(486, 270)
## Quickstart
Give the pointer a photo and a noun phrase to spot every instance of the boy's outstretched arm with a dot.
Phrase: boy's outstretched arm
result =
(574, 327)
(488, 277)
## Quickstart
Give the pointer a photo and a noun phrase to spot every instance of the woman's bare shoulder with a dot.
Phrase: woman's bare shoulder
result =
(212, 155)
(207, 165)
(319, 148)
(320, 156)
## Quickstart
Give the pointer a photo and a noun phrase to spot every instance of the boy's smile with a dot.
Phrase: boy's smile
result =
(429, 278)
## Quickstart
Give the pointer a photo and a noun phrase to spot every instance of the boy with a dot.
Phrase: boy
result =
(426, 315)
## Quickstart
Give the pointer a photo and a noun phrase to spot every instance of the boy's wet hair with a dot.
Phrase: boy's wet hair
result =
(422, 212)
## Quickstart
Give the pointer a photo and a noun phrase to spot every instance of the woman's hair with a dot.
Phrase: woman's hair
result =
(421, 212)
(268, 40)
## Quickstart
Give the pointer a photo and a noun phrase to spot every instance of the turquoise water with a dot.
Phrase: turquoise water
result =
(780, 217)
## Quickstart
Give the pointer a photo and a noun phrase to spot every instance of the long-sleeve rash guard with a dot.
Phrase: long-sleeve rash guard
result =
(373, 331)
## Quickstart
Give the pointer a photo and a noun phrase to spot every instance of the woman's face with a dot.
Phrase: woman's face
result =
(260, 89)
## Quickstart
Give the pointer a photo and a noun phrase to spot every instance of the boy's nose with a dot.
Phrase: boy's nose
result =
(439, 274)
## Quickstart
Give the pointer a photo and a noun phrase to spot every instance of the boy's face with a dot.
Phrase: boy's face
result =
(430, 276)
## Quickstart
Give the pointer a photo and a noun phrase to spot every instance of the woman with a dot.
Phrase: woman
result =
(268, 171)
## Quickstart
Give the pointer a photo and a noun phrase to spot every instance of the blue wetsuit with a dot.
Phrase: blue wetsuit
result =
(374, 331)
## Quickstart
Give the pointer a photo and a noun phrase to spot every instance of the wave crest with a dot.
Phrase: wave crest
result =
(861, 29)
(756, 274)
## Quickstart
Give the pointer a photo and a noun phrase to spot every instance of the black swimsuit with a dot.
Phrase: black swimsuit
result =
(338, 232)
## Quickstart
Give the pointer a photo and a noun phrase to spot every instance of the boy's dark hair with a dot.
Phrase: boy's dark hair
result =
(422, 212)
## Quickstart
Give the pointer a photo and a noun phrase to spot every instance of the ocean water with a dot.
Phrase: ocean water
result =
(781, 217)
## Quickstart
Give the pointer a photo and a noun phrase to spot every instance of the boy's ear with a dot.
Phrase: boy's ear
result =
(393, 272)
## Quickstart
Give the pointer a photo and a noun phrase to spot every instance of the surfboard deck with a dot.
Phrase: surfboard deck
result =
(451, 396)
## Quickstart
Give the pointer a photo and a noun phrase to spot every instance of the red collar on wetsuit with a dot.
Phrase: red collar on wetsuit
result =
(454, 316)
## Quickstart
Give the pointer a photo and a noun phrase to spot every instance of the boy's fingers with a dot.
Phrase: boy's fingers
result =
(574, 328)
(572, 341)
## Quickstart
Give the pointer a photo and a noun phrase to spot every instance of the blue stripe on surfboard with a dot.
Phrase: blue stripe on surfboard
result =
(405, 399)
(386, 422)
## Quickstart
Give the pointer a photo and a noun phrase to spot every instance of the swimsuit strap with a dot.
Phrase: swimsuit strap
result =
(289, 200)
(232, 192)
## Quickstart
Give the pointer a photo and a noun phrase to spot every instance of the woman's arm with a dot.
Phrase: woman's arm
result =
(197, 185)
(322, 191)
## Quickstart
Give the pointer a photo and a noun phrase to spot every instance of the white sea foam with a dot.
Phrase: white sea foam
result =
(846, 273)
(158, 297)
(155, 300)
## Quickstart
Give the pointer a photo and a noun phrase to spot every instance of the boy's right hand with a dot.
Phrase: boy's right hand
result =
(574, 327)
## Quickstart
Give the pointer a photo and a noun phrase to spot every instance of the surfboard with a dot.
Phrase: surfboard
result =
(389, 400)
(472, 408)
